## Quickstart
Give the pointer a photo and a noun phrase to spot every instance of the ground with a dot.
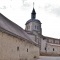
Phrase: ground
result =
(49, 58)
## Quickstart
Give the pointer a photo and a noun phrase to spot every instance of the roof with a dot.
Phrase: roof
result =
(33, 20)
(45, 37)
(10, 27)
(33, 16)
(33, 11)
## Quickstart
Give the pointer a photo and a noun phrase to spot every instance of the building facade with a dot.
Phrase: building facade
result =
(47, 45)
(15, 44)
(28, 44)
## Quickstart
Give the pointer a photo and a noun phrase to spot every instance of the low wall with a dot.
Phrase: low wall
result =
(48, 54)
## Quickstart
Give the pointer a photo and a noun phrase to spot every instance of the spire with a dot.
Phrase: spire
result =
(33, 14)
(33, 4)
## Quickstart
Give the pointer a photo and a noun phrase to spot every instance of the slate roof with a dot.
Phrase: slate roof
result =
(10, 27)
(33, 11)
(33, 20)
(46, 37)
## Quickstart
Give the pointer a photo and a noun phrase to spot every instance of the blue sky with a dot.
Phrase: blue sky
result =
(48, 12)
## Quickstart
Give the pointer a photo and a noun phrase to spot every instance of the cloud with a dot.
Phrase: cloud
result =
(52, 9)
(3, 7)
(48, 7)
(56, 11)
(25, 3)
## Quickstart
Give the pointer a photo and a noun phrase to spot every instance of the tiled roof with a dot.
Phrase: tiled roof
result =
(34, 20)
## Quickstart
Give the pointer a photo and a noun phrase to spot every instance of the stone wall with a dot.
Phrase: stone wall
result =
(50, 46)
(12, 48)
(43, 45)
(53, 48)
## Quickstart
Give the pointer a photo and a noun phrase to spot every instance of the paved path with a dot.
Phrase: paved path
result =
(49, 58)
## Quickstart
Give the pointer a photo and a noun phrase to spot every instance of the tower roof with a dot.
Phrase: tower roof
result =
(33, 11)
(33, 16)
(34, 20)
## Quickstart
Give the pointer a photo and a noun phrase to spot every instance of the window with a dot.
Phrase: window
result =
(53, 49)
(37, 27)
(45, 48)
(27, 49)
(44, 38)
(50, 41)
(17, 48)
(28, 27)
(57, 41)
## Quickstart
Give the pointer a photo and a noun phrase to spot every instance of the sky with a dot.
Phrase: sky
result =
(47, 11)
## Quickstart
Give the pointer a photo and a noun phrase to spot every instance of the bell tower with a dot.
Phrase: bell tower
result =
(33, 24)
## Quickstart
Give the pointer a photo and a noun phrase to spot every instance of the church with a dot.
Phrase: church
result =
(19, 44)
(15, 44)
(47, 45)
